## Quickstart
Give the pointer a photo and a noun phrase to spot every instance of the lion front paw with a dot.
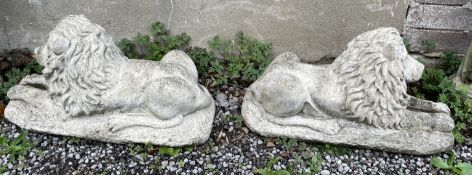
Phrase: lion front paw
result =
(441, 107)
(33, 80)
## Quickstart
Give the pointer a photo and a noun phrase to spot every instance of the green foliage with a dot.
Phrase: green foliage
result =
(451, 62)
(332, 149)
(203, 60)
(236, 119)
(449, 165)
(460, 105)
(428, 84)
(268, 169)
(429, 45)
(136, 149)
(189, 148)
(128, 48)
(73, 140)
(13, 76)
(172, 152)
(3, 168)
(153, 47)
(435, 86)
(287, 142)
(242, 58)
(16, 148)
(181, 163)
(315, 163)
(149, 149)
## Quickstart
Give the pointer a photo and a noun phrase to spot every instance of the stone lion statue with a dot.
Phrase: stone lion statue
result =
(366, 83)
(85, 73)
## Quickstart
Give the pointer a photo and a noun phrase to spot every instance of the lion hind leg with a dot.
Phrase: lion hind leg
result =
(284, 58)
(181, 58)
(283, 94)
(330, 126)
(170, 96)
(309, 108)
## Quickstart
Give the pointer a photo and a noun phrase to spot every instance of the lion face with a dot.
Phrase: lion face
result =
(412, 69)
(51, 55)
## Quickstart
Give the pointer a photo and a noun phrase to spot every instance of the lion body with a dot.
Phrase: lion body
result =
(86, 73)
(158, 87)
(286, 92)
(366, 83)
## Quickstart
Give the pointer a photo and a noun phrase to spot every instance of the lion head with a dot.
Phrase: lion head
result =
(78, 56)
(373, 72)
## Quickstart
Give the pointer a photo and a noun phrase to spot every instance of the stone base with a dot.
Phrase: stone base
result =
(351, 133)
(194, 129)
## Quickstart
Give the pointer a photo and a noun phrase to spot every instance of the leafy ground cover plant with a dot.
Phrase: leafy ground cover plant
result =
(268, 169)
(307, 154)
(240, 60)
(451, 63)
(451, 166)
(16, 148)
(155, 47)
(428, 45)
(169, 151)
(14, 75)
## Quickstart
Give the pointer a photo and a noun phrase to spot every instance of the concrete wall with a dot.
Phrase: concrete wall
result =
(310, 28)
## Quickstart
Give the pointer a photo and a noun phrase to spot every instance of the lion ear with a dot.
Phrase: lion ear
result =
(390, 51)
(58, 43)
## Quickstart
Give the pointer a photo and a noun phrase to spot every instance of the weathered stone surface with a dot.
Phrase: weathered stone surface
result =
(448, 25)
(444, 2)
(428, 62)
(456, 41)
(4, 41)
(439, 17)
(360, 99)
(89, 89)
(312, 29)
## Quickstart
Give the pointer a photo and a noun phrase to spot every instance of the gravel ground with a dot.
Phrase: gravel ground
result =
(232, 149)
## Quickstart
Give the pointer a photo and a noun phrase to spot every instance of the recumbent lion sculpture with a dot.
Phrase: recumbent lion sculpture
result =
(360, 99)
(88, 80)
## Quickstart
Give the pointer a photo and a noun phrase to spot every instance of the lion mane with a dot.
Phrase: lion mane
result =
(79, 57)
(372, 80)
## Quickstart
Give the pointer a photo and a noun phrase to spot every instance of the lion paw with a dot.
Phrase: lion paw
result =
(33, 79)
(331, 129)
(441, 107)
(116, 127)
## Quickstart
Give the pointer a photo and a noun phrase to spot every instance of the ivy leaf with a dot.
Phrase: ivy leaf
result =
(465, 168)
(169, 151)
(439, 163)
(451, 158)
